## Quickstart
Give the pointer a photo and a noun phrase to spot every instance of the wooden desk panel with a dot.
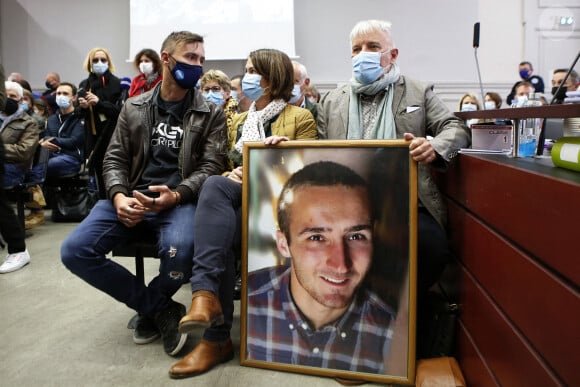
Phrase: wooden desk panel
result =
(509, 356)
(539, 304)
(513, 224)
(473, 365)
(538, 209)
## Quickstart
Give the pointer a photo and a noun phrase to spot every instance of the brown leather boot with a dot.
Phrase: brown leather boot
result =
(205, 311)
(205, 356)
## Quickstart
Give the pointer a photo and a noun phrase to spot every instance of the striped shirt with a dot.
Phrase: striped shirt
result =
(277, 332)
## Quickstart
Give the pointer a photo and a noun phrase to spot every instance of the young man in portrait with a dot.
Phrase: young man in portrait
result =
(317, 311)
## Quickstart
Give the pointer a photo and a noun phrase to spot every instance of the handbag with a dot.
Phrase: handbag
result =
(72, 204)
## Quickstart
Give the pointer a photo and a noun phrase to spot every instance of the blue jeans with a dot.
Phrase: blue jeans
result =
(62, 165)
(217, 231)
(83, 253)
(13, 175)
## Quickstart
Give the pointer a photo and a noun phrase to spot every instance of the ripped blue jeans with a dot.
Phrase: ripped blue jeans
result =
(84, 251)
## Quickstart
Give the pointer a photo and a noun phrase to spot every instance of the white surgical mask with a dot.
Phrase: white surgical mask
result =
(100, 68)
(489, 105)
(63, 101)
(468, 107)
(146, 67)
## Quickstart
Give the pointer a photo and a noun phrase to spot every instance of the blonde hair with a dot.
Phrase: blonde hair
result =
(88, 65)
(218, 76)
(473, 97)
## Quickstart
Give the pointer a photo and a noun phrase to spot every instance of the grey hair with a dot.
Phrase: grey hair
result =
(366, 26)
(11, 85)
(301, 69)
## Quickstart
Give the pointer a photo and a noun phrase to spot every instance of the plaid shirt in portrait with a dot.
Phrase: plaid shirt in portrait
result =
(277, 332)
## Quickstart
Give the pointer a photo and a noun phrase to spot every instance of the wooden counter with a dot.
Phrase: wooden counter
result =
(514, 224)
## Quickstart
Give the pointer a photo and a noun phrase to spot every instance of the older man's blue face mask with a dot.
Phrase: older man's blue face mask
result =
(366, 66)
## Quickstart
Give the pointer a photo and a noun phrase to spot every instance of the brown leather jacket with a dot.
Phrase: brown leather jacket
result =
(203, 151)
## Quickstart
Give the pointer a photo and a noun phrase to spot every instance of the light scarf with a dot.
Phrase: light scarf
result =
(253, 129)
(151, 78)
(384, 127)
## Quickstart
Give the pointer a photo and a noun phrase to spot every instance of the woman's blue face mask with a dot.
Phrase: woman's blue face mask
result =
(251, 86)
(216, 97)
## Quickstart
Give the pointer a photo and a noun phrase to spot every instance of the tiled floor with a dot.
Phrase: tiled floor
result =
(55, 330)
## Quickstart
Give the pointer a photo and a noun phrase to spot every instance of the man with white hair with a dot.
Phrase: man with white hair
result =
(20, 135)
(380, 103)
(301, 83)
(10, 229)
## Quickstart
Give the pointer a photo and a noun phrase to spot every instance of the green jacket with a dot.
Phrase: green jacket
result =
(20, 137)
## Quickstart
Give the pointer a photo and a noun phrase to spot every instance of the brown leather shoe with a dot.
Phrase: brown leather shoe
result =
(205, 311)
(205, 356)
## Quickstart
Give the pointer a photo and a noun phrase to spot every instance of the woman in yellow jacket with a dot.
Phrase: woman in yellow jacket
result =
(268, 82)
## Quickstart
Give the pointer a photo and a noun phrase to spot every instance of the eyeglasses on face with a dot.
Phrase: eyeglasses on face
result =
(215, 89)
(103, 60)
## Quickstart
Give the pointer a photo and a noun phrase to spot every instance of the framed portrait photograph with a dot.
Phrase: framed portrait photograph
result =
(329, 259)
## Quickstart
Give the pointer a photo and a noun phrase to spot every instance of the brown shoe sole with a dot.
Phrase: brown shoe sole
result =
(192, 325)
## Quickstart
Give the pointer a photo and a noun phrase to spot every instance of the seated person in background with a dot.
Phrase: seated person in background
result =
(301, 83)
(10, 229)
(380, 103)
(312, 93)
(20, 134)
(25, 84)
(216, 87)
(65, 136)
(15, 77)
(41, 109)
(492, 101)
(238, 94)
(522, 92)
(316, 311)
(36, 215)
(51, 82)
(526, 71)
(469, 103)
(217, 227)
(148, 63)
(571, 84)
(166, 143)
(28, 104)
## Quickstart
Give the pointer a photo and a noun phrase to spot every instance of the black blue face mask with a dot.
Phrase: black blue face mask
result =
(186, 75)
(525, 74)
(10, 107)
(559, 94)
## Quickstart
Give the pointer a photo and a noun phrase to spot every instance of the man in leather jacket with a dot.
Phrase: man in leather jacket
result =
(166, 143)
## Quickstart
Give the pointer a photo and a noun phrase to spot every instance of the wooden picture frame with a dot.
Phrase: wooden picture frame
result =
(360, 292)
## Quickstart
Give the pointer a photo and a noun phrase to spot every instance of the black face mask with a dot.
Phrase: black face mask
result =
(10, 107)
(48, 85)
(561, 93)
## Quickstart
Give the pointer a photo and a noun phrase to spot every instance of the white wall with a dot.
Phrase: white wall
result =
(434, 39)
